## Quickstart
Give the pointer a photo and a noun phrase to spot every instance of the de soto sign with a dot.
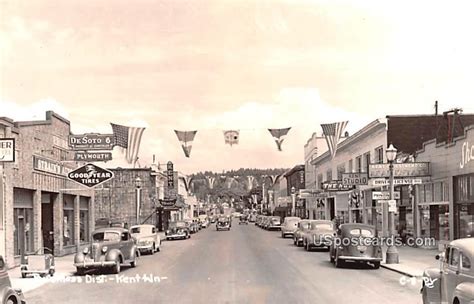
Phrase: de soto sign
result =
(91, 141)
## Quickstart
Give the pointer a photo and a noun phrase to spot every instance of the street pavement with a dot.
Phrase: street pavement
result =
(243, 265)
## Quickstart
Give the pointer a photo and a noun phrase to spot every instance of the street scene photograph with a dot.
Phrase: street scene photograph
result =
(236, 151)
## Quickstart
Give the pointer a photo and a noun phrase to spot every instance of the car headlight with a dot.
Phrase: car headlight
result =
(85, 250)
(104, 249)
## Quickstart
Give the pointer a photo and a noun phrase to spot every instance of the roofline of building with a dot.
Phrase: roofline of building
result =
(48, 121)
(445, 144)
(371, 126)
(294, 169)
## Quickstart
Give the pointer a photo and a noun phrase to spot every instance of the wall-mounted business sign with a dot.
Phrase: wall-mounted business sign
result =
(336, 185)
(355, 178)
(168, 202)
(49, 166)
(384, 195)
(170, 174)
(91, 141)
(400, 170)
(92, 156)
(379, 182)
(7, 149)
(90, 175)
(467, 154)
(308, 193)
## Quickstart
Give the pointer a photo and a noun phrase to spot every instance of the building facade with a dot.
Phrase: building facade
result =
(295, 181)
(42, 208)
(445, 204)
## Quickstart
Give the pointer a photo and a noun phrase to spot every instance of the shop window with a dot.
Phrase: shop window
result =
(84, 226)
(366, 162)
(23, 230)
(454, 258)
(68, 230)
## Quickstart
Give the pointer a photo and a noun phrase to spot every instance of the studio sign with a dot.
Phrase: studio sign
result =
(467, 154)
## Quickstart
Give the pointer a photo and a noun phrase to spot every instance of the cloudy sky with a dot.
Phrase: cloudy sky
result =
(232, 64)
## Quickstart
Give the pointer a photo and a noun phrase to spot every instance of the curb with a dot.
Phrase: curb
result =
(398, 271)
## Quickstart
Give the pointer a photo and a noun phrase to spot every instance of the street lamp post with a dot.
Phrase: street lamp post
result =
(392, 252)
(293, 201)
(138, 184)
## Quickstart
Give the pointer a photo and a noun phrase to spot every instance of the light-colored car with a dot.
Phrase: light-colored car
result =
(146, 237)
(320, 235)
(453, 282)
(110, 248)
(8, 294)
(204, 220)
(303, 226)
(274, 223)
(289, 226)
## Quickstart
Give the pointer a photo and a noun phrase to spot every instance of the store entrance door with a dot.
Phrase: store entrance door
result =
(47, 221)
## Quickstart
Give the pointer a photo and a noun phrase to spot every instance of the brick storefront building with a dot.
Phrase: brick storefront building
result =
(42, 208)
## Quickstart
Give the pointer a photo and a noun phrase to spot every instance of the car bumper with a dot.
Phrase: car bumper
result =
(362, 259)
(145, 247)
(92, 264)
(274, 227)
(176, 236)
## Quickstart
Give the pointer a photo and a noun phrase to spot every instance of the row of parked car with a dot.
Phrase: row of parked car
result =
(451, 282)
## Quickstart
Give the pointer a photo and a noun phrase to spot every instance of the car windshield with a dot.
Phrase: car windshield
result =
(106, 236)
(361, 232)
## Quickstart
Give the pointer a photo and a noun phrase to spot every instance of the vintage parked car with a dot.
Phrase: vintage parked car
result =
(146, 237)
(366, 249)
(320, 235)
(41, 262)
(289, 226)
(453, 282)
(223, 223)
(204, 220)
(110, 248)
(303, 226)
(273, 223)
(178, 230)
(193, 226)
(8, 294)
(213, 219)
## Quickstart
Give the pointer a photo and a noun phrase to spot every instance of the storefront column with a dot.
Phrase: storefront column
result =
(91, 214)
(37, 225)
(58, 214)
(77, 221)
(451, 207)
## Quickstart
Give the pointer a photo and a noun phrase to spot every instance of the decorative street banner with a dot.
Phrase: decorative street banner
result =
(7, 149)
(90, 175)
(186, 138)
(400, 170)
(333, 133)
(355, 178)
(274, 178)
(336, 185)
(211, 180)
(279, 135)
(92, 156)
(250, 180)
(91, 141)
(128, 138)
(231, 137)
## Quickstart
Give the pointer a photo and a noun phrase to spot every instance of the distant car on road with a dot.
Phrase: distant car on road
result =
(289, 226)
(8, 294)
(147, 238)
(204, 220)
(223, 223)
(365, 249)
(320, 235)
(110, 248)
(40, 262)
(273, 223)
(453, 281)
(178, 230)
(303, 226)
(244, 219)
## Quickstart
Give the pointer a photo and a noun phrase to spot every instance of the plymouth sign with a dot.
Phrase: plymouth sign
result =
(92, 156)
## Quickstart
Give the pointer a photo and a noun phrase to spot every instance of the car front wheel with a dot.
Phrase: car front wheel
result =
(134, 262)
(376, 265)
(116, 267)
(80, 271)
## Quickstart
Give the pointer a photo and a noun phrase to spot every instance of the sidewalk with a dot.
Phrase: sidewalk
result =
(64, 267)
(413, 261)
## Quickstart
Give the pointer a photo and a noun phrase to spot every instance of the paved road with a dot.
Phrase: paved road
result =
(244, 265)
